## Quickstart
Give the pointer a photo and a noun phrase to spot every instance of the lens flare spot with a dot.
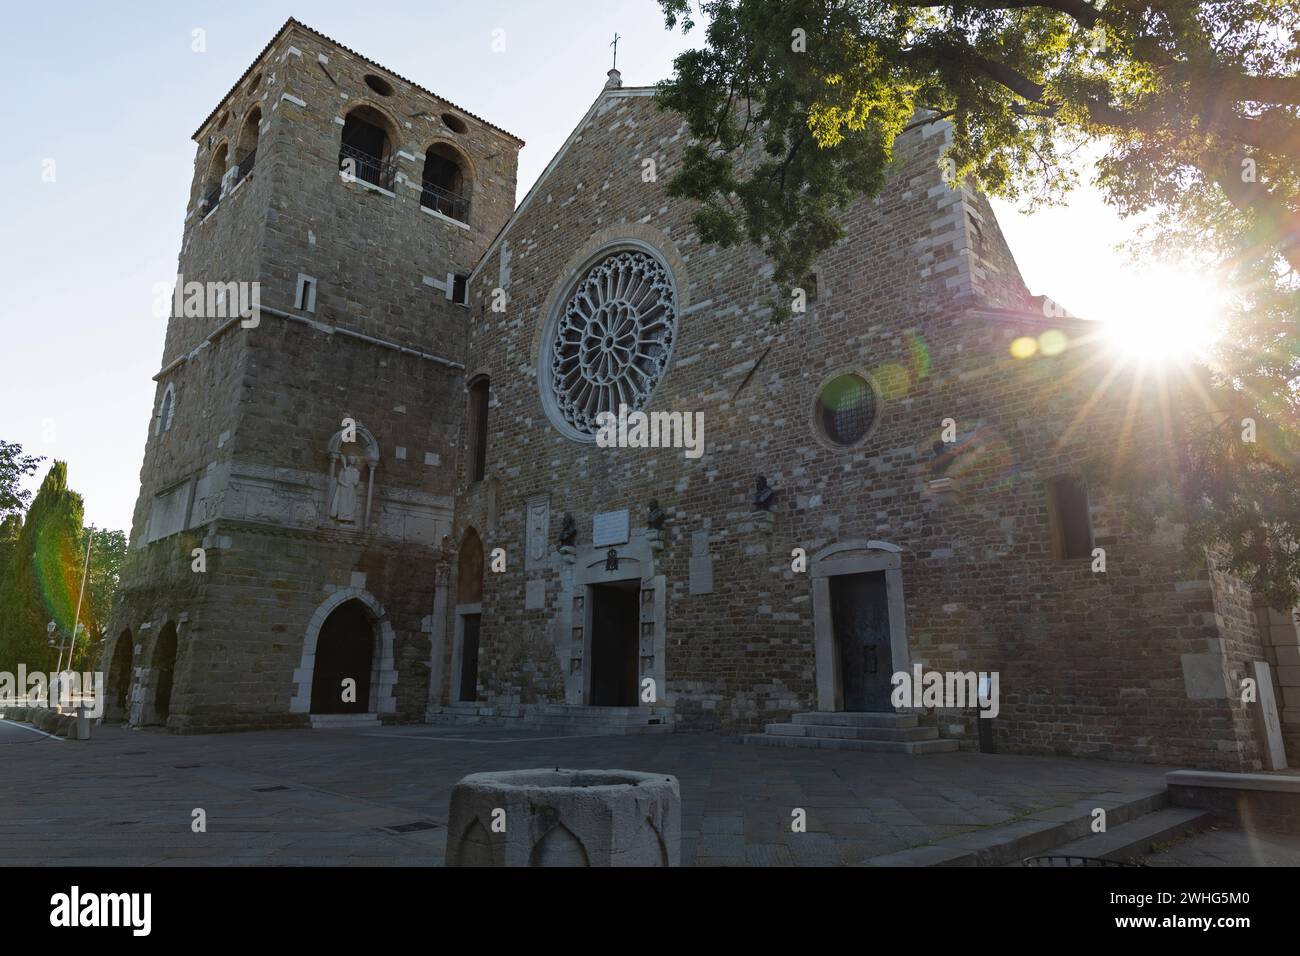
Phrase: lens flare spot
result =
(1024, 347)
(1053, 342)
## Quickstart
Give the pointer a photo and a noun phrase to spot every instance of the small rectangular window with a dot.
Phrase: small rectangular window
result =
(305, 297)
(1069, 518)
(460, 289)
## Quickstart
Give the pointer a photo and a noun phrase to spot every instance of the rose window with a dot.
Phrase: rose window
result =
(612, 339)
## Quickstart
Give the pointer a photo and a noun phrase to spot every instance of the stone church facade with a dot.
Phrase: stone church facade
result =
(394, 477)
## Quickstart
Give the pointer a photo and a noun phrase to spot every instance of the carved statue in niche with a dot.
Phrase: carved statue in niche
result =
(344, 505)
(354, 459)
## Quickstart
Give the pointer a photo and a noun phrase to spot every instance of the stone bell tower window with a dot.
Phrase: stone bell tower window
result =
(609, 342)
(166, 410)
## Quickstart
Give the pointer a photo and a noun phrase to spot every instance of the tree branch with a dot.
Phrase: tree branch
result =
(1080, 10)
(1271, 213)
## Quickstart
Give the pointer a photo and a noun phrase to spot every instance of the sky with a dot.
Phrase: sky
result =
(96, 171)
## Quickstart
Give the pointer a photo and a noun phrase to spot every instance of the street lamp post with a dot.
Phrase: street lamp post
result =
(51, 692)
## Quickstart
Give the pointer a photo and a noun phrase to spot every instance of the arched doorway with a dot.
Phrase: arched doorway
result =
(118, 691)
(164, 669)
(345, 654)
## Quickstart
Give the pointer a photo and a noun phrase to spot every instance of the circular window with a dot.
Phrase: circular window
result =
(253, 83)
(454, 123)
(379, 85)
(846, 409)
(609, 341)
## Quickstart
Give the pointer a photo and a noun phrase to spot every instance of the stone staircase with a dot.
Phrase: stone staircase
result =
(850, 730)
(345, 722)
(1137, 822)
(574, 719)
(567, 719)
(1136, 838)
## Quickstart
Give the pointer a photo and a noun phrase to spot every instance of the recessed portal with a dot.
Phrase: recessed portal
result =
(615, 620)
(345, 649)
(860, 617)
(469, 657)
(119, 678)
(164, 662)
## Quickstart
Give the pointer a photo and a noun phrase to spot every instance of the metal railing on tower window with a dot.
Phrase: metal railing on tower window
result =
(245, 165)
(367, 167)
(451, 204)
(211, 199)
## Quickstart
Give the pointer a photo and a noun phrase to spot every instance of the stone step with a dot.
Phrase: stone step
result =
(831, 731)
(580, 711)
(870, 746)
(645, 717)
(1035, 835)
(852, 718)
(1135, 838)
(587, 729)
(344, 721)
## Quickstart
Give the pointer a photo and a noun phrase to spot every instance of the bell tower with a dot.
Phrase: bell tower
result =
(299, 466)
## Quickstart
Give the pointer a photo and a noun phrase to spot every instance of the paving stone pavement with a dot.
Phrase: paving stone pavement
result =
(325, 797)
(1222, 847)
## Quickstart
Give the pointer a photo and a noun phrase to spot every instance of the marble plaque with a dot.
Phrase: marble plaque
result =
(701, 575)
(609, 527)
(1269, 723)
(539, 532)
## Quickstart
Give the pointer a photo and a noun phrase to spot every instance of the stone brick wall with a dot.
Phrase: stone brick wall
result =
(923, 303)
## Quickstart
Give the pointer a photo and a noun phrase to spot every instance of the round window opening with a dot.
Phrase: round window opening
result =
(609, 341)
(846, 409)
(454, 123)
(379, 85)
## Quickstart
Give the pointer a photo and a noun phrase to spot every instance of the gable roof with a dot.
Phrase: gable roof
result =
(291, 24)
(610, 91)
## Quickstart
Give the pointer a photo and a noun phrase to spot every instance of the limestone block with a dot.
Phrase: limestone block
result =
(565, 818)
(48, 722)
(1204, 677)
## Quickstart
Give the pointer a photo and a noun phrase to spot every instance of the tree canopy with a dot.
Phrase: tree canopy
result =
(1190, 110)
(14, 467)
(43, 575)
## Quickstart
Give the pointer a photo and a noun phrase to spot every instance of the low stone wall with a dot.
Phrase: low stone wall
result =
(1252, 801)
(50, 721)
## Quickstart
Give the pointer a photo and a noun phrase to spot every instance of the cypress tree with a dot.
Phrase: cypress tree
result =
(42, 575)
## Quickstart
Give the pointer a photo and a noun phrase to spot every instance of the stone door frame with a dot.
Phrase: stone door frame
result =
(383, 670)
(857, 556)
(635, 563)
(458, 649)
